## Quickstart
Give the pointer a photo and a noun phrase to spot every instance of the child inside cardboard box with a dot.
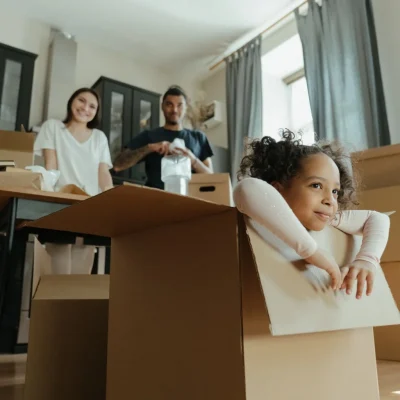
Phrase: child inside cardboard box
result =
(292, 189)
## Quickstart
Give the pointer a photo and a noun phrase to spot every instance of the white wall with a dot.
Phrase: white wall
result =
(34, 37)
(214, 88)
(387, 24)
(92, 62)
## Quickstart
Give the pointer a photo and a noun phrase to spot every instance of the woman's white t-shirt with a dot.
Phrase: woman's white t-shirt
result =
(78, 163)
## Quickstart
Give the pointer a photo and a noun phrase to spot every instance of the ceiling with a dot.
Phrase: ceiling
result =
(168, 33)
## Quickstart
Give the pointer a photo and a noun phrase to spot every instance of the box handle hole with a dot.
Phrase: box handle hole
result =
(207, 189)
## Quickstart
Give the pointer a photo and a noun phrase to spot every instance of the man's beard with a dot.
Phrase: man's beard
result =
(174, 122)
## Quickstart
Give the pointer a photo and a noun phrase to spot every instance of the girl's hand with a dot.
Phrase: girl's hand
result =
(329, 265)
(361, 271)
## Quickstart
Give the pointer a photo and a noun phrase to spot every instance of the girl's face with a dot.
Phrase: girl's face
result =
(313, 194)
(84, 107)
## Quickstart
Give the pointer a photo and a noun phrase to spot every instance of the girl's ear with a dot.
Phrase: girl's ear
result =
(278, 186)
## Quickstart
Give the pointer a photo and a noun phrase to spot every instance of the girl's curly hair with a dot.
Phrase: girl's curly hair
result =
(280, 161)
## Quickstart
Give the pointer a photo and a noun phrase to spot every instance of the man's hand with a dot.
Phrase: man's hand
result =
(361, 271)
(185, 152)
(160, 147)
(329, 265)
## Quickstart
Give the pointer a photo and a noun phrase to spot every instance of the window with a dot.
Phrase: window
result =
(300, 110)
(285, 94)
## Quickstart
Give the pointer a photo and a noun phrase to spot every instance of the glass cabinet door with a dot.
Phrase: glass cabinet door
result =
(117, 115)
(16, 79)
(10, 95)
(146, 116)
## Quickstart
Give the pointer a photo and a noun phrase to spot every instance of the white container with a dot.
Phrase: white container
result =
(176, 173)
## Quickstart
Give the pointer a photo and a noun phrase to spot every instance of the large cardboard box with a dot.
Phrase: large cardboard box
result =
(67, 353)
(202, 306)
(17, 147)
(212, 187)
(387, 339)
(378, 167)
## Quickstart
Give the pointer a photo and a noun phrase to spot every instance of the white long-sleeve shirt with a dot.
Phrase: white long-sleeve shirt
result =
(262, 203)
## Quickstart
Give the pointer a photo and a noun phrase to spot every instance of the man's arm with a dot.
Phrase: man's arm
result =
(203, 167)
(128, 158)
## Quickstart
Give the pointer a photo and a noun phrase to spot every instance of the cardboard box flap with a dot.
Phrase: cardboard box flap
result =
(73, 287)
(41, 264)
(17, 146)
(127, 209)
(298, 302)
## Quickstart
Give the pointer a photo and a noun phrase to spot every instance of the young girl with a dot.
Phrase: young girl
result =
(75, 147)
(291, 189)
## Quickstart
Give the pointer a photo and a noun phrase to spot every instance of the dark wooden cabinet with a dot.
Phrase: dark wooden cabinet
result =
(126, 111)
(16, 80)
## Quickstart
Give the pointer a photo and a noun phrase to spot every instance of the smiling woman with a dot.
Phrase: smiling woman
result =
(80, 152)
(76, 147)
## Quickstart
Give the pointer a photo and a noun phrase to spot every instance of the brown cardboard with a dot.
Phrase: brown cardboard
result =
(385, 199)
(212, 187)
(9, 192)
(201, 306)
(25, 179)
(17, 146)
(14, 169)
(387, 339)
(378, 167)
(40, 266)
(73, 189)
(67, 352)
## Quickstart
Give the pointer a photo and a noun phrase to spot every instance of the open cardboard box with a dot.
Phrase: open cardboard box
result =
(17, 147)
(202, 307)
(387, 338)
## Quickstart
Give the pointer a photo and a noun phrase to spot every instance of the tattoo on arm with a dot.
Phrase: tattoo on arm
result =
(128, 158)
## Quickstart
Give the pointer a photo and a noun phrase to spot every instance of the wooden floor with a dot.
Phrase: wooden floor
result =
(12, 374)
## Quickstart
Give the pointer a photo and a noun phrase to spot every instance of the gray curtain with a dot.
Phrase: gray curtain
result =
(343, 73)
(244, 100)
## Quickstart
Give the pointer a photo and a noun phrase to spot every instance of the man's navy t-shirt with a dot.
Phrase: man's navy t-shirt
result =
(196, 141)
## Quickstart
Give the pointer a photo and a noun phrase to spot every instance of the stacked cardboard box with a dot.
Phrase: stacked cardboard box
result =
(380, 180)
(17, 147)
(200, 307)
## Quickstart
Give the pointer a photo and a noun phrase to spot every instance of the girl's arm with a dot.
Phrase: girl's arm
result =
(374, 227)
(264, 204)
